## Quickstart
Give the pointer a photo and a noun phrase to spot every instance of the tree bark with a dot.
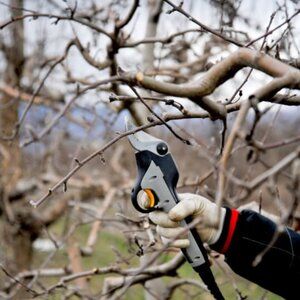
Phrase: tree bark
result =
(17, 233)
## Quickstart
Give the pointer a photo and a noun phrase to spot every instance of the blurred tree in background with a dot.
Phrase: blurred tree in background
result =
(223, 74)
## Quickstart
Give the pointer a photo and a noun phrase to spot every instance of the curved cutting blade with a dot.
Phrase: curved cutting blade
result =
(141, 140)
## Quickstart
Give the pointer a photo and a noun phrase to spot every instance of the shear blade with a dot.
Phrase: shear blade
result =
(141, 140)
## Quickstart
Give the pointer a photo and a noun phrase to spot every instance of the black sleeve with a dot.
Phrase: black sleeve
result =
(245, 235)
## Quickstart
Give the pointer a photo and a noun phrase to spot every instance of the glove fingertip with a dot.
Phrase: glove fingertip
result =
(153, 215)
(180, 243)
(175, 215)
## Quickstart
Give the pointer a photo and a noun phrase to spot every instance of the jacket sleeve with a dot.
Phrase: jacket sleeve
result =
(246, 234)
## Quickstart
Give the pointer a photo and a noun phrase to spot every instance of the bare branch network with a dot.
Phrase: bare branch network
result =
(71, 70)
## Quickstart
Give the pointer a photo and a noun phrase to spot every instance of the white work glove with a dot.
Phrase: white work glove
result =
(189, 205)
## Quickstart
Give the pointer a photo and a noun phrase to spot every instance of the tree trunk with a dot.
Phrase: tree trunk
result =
(16, 231)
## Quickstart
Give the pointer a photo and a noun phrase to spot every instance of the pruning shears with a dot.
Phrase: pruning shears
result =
(157, 177)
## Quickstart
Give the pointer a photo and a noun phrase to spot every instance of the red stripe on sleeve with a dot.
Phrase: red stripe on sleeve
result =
(232, 224)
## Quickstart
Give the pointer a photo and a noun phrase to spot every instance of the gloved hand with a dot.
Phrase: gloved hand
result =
(189, 205)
